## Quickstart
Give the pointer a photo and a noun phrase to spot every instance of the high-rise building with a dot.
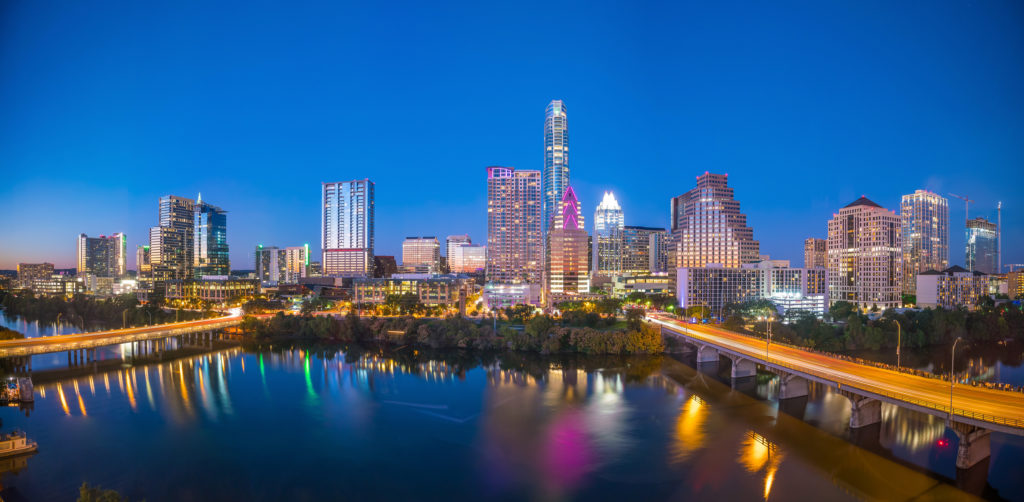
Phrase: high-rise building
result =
(815, 253)
(607, 238)
(103, 256)
(643, 250)
(982, 245)
(171, 242)
(452, 242)
(567, 272)
(468, 259)
(142, 264)
(270, 264)
(924, 217)
(347, 238)
(421, 255)
(296, 263)
(708, 227)
(515, 249)
(210, 241)
(556, 159)
(865, 256)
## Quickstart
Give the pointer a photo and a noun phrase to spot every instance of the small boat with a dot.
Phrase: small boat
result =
(15, 443)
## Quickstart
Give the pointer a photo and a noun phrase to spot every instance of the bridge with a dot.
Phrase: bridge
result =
(972, 412)
(82, 347)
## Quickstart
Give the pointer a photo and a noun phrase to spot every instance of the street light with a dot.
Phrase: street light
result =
(899, 337)
(952, 359)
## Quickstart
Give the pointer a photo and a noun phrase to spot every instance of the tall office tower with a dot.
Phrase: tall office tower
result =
(270, 264)
(171, 242)
(452, 242)
(210, 241)
(708, 227)
(556, 159)
(347, 222)
(467, 259)
(296, 263)
(815, 253)
(567, 272)
(607, 238)
(642, 250)
(515, 246)
(142, 264)
(421, 255)
(865, 256)
(103, 256)
(924, 217)
(982, 245)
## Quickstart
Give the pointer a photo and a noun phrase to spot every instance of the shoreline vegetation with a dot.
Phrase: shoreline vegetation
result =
(84, 310)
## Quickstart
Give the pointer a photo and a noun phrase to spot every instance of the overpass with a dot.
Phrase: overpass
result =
(82, 346)
(975, 411)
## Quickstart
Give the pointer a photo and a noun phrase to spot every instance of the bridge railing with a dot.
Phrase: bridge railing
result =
(954, 412)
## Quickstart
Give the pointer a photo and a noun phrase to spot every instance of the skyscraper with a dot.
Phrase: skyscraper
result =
(210, 241)
(924, 218)
(556, 159)
(642, 250)
(171, 242)
(982, 245)
(269, 265)
(815, 253)
(515, 249)
(567, 272)
(142, 264)
(103, 256)
(607, 239)
(421, 255)
(865, 256)
(708, 227)
(347, 237)
(467, 258)
(296, 263)
(452, 242)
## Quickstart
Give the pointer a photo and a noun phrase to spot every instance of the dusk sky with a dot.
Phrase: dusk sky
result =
(105, 106)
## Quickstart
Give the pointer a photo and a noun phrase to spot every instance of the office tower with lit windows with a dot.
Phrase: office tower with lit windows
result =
(515, 246)
(567, 272)
(452, 242)
(815, 253)
(269, 265)
(708, 227)
(143, 268)
(171, 241)
(103, 256)
(556, 159)
(607, 238)
(210, 241)
(865, 256)
(347, 224)
(642, 250)
(924, 217)
(296, 263)
(982, 245)
(421, 255)
(467, 259)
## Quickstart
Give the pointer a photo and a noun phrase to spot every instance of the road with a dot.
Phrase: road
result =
(980, 404)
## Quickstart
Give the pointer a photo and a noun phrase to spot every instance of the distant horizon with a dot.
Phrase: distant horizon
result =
(108, 107)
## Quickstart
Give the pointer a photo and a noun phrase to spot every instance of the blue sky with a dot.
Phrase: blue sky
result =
(105, 106)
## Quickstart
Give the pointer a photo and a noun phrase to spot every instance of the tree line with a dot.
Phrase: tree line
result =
(83, 310)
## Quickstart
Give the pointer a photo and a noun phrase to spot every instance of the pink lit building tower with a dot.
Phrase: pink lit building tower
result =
(567, 272)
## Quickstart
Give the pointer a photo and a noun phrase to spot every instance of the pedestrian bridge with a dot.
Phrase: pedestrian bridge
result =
(87, 341)
(971, 411)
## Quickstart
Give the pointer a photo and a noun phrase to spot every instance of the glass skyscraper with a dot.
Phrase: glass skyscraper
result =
(924, 218)
(556, 159)
(347, 237)
(210, 241)
(607, 246)
(982, 246)
(103, 256)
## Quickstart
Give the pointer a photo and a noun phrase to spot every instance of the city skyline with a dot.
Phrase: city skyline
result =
(908, 123)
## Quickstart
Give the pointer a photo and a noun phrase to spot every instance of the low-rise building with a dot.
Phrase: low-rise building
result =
(715, 287)
(499, 296)
(650, 284)
(216, 290)
(432, 290)
(28, 272)
(952, 288)
(1015, 284)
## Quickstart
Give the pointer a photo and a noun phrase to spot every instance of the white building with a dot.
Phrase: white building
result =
(865, 256)
(715, 287)
(347, 236)
(951, 288)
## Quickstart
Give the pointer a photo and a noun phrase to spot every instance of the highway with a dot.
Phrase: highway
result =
(1003, 408)
(58, 343)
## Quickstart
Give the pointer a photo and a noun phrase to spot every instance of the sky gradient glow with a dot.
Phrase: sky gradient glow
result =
(105, 106)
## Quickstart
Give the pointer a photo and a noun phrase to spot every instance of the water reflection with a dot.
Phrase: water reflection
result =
(690, 432)
(758, 454)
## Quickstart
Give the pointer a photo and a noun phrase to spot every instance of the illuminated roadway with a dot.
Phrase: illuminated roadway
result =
(60, 343)
(988, 408)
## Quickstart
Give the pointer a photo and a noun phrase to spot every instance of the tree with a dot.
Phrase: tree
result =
(635, 318)
(519, 314)
(87, 493)
(841, 310)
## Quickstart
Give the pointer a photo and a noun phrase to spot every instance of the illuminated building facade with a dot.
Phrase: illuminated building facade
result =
(607, 239)
(865, 256)
(270, 265)
(29, 272)
(567, 272)
(210, 241)
(982, 245)
(171, 242)
(211, 290)
(951, 288)
(643, 250)
(515, 249)
(296, 263)
(815, 253)
(431, 291)
(347, 224)
(556, 159)
(715, 287)
(142, 263)
(103, 256)
(1015, 284)
(499, 296)
(708, 227)
(467, 259)
(924, 217)
(421, 255)
(453, 241)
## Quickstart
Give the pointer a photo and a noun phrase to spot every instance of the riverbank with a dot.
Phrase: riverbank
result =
(88, 311)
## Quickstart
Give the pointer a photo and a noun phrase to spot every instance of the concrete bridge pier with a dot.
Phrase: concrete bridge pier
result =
(792, 387)
(974, 445)
(742, 368)
(864, 411)
(707, 359)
